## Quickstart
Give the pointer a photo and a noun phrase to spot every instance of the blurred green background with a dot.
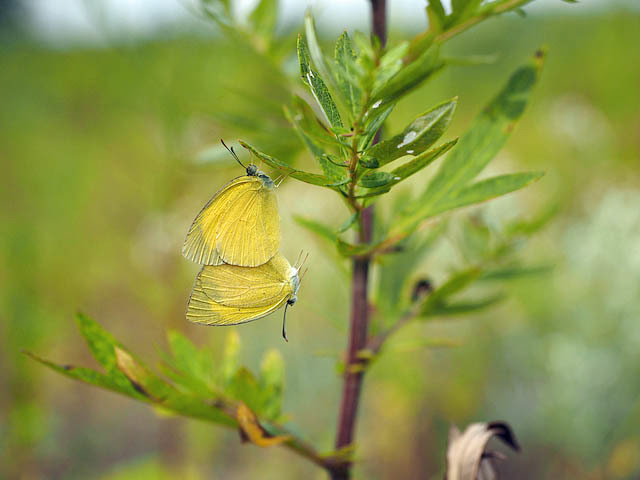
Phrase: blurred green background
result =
(101, 176)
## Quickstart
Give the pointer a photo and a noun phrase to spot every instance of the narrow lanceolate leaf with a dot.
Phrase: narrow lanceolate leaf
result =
(423, 160)
(306, 119)
(272, 383)
(410, 77)
(318, 87)
(406, 170)
(463, 9)
(390, 64)
(89, 376)
(102, 346)
(323, 231)
(377, 179)
(347, 249)
(346, 74)
(485, 190)
(515, 272)
(374, 119)
(263, 18)
(142, 379)
(436, 16)
(415, 139)
(332, 170)
(475, 149)
(458, 282)
(315, 52)
(311, 178)
(449, 309)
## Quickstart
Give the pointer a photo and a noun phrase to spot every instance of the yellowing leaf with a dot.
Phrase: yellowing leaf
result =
(135, 372)
(252, 431)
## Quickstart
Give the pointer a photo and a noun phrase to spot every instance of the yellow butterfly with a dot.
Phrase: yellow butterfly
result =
(239, 225)
(230, 295)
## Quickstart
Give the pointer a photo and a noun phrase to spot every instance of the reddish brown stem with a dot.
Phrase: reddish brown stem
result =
(359, 322)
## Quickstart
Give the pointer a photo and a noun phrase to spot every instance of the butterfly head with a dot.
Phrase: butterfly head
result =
(252, 170)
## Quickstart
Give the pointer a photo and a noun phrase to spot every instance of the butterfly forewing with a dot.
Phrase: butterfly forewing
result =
(249, 230)
(239, 225)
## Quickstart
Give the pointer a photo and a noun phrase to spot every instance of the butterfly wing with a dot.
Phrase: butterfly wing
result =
(202, 309)
(249, 229)
(245, 287)
(200, 244)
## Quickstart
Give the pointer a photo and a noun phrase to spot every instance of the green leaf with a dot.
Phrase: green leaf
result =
(272, 383)
(374, 119)
(390, 64)
(315, 51)
(514, 272)
(421, 161)
(410, 77)
(230, 358)
(396, 269)
(329, 237)
(318, 87)
(415, 139)
(102, 346)
(436, 16)
(188, 367)
(485, 190)
(305, 118)
(195, 407)
(321, 230)
(462, 307)
(347, 249)
(456, 283)
(346, 73)
(349, 222)
(377, 179)
(263, 18)
(332, 170)
(311, 178)
(406, 170)
(475, 149)
(142, 379)
(462, 10)
(89, 376)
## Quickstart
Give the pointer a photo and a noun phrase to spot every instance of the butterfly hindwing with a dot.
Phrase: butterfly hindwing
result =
(202, 309)
(248, 287)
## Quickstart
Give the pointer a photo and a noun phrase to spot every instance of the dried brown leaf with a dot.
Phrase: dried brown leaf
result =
(467, 457)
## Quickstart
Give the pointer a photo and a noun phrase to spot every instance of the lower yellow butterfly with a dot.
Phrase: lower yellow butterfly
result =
(230, 295)
(239, 225)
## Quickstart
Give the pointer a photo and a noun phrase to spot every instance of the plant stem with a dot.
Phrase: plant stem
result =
(359, 322)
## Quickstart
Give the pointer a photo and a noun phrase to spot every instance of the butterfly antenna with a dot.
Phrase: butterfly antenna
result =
(298, 259)
(304, 260)
(303, 274)
(233, 154)
(284, 323)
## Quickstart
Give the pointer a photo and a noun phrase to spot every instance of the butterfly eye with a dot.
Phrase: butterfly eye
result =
(252, 170)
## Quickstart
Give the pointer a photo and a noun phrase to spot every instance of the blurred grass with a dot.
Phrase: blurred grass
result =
(98, 187)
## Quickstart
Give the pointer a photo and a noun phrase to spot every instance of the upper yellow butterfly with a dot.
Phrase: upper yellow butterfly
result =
(239, 225)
